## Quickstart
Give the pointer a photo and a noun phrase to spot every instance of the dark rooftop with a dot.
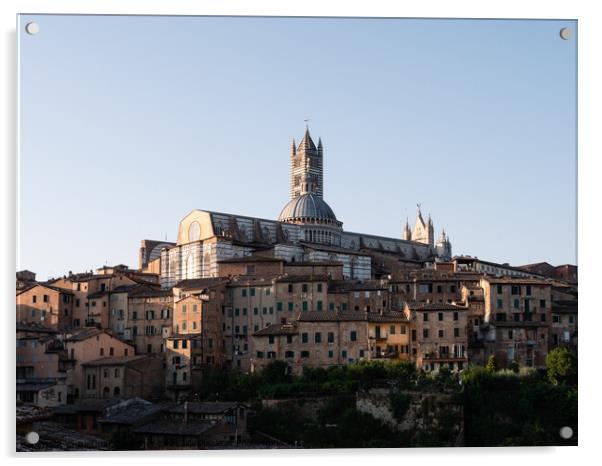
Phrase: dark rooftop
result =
(190, 428)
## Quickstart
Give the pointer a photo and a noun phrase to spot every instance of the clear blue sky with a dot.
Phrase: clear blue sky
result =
(129, 123)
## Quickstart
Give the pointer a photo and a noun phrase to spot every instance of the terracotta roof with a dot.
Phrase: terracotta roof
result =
(33, 327)
(84, 334)
(45, 285)
(302, 278)
(330, 316)
(195, 283)
(277, 329)
(341, 286)
(435, 307)
(115, 361)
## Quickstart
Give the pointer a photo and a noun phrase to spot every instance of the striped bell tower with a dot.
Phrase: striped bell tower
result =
(307, 164)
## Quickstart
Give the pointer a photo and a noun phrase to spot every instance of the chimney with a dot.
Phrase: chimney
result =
(186, 412)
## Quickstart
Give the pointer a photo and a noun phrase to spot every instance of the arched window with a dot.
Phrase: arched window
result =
(105, 392)
(116, 391)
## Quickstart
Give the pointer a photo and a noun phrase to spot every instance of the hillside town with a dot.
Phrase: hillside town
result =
(125, 350)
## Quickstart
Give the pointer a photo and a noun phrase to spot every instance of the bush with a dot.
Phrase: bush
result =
(400, 403)
(562, 366)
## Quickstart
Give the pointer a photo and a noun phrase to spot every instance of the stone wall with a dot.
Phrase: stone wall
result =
(426, 411)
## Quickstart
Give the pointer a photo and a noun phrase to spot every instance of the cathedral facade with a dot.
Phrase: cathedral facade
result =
(307, 230)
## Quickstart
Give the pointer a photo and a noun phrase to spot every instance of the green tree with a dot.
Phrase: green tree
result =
(562, 366)
(491, 364)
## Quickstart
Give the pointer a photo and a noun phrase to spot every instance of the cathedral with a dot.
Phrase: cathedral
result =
(307, 230)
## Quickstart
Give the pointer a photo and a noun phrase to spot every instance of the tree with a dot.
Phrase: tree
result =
(562, 366)
(491, 364)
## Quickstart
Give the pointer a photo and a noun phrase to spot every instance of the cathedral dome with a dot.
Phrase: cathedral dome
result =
(307, 207)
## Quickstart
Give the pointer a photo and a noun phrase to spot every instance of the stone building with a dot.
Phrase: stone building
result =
(325, 339)
(307, 229)
(123, 377)
(517, 319)
(45, 304)
(40, 374)
(438, 335)
(197, 341)
(86, 345)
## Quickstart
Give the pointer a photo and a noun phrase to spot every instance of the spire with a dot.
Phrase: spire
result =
(407, 234)
(293, 148)
(307, 143)
(430, 220)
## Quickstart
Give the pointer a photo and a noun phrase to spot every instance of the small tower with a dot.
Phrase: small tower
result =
(407, 234)
(443, 247)
(431, 232)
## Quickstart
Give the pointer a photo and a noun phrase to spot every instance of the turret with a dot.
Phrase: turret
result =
(443, 247)
(407, 234)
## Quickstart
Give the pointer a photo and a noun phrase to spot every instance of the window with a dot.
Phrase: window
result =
(256, 310)
(392, 330)
(184, 344)
(304, 288)
(76, 303)
(441, 333)
(318, 337)
(331, 354)
(542, 303)
(528, 290)
(516, 317)
(289, 354)
(279, 306)
(305, 354)
(344, 353)
(268, 291)
(116, 373)
(455, 315)
(243, 292)
(343, 306)
(515, 289)
(556, 318)
(571, 319)
(353, 336)
(425, 316)
(290, 306)
(542, 317)
(260, 354)
(250, 270)
(413, 335)
(105, 373)
(265, 310)
(319, 288)
(456, 332)
(499, 289)
(35, 299)
(252, 291)
(500, 303)
(102, 351)
(175, 344)
(305, 305)
(319, 305)
(440, 316)
(510, 334)
(330, 337)
(289, 339)
(304, 337)
(271, 339)
(516, 304)
(290, 287)
(111, 351)
(331, 306)
(425, 333)
(45, 298)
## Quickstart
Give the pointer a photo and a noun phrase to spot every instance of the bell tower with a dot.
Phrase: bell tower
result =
(307, 164)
